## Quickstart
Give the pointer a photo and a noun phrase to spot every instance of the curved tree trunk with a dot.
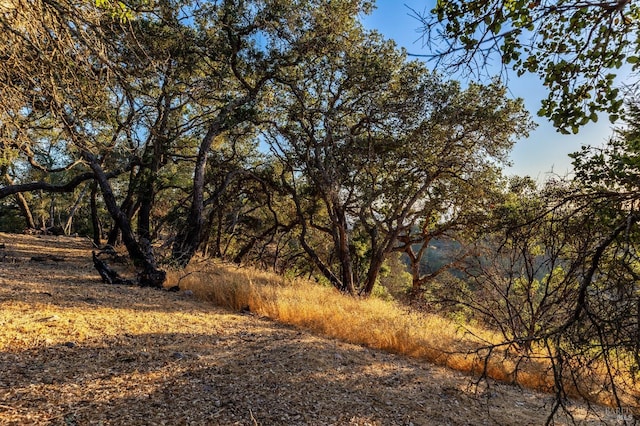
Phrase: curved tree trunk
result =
(375, 265)
(154, 152)
(140, 253)
(129, 208)
(188, 240)
(25, 210)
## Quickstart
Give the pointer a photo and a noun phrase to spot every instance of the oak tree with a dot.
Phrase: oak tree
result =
(374, 144)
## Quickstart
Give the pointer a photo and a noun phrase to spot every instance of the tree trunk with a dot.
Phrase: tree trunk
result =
(335, 281)
(146, 204)
(344, 257)
(22, 205)
(67, 226)
(375, 264)
(113, 235)
(149, 172)
(324, 269)
(207, 250)
(52, 212)
(140, 253)
(95, 220)
(25, 210)
(188, 240)
(129, 209)
(340, 233)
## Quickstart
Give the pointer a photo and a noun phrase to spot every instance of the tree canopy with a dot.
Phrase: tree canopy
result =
(577, 48)
(151, 113)
(376, 144)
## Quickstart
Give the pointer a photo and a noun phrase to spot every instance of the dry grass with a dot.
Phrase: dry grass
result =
(375, 323)
(378, 324)
(74, 351)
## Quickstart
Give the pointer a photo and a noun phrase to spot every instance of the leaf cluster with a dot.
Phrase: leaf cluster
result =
(576, 48)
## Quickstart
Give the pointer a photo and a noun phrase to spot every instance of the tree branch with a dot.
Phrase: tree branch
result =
(49, 187)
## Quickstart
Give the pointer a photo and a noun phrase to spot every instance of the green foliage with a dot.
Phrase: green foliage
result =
(10, 218)
(381, 292)
(615, 166)
(394, 277)
(575, 48)
(347, 127)
(118, 9)
(559, 273)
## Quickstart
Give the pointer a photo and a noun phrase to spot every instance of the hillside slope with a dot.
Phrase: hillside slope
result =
(74, 351)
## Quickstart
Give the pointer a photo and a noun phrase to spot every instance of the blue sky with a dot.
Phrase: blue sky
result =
(545, 150)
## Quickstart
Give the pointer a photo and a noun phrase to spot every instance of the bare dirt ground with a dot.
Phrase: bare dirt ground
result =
(74, 351)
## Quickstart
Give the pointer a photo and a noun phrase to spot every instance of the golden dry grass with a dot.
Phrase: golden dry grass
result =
(372, 322)
(378, 324)
(76, 351)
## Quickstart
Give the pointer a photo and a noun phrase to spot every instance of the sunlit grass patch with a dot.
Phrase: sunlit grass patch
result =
(385, 325)
(375, 323)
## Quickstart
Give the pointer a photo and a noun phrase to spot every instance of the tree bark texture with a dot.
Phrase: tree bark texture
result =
(142, 257)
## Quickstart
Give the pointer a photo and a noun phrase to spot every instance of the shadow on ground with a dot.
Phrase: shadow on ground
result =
(207, 366)
(270, 376)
